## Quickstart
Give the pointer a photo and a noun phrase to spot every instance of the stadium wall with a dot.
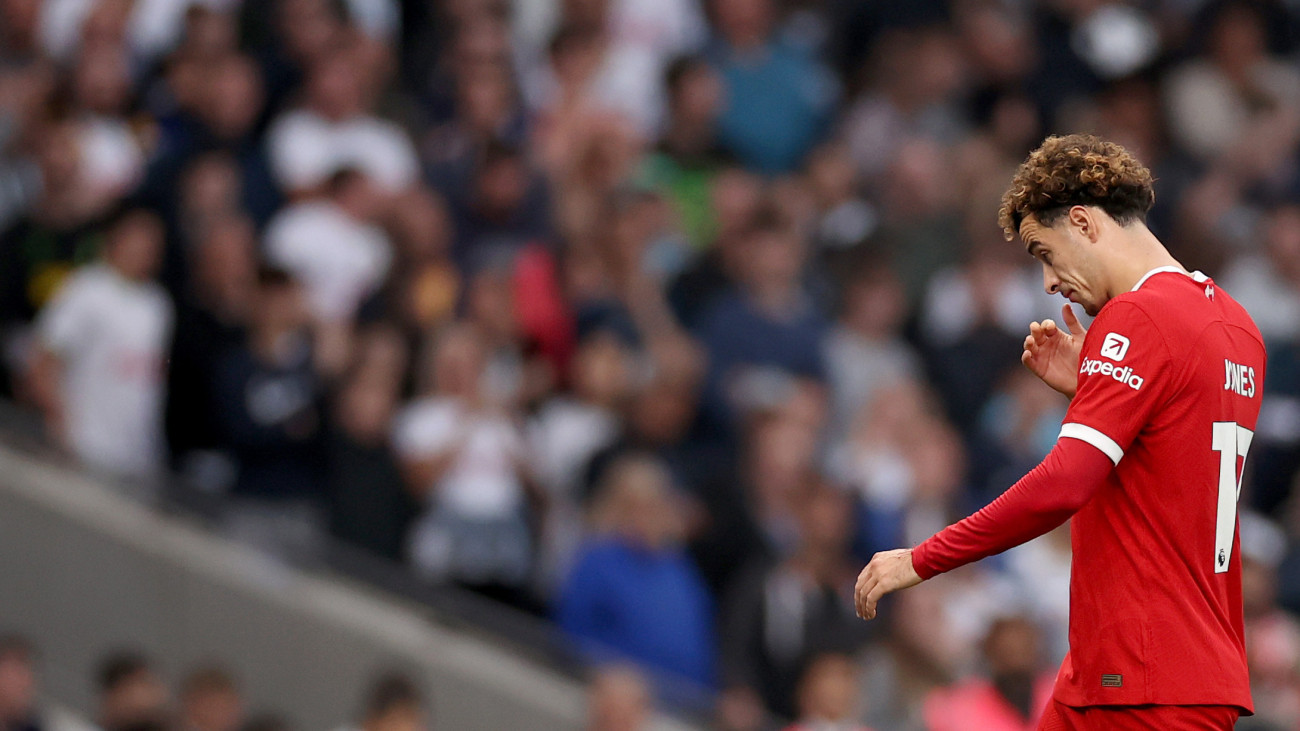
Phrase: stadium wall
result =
(85, 570)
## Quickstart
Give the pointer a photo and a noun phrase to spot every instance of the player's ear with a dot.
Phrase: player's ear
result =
(1084, 220)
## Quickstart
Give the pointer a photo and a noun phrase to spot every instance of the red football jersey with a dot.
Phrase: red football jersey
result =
(1170, 381)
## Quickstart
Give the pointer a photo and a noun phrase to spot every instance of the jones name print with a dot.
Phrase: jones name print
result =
(1239, 379)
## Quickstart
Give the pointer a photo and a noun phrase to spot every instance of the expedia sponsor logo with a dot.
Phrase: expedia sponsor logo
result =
(1124, 375)
(1115, 347)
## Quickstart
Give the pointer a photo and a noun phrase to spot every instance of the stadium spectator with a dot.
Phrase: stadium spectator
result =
(463, 456)
(911, 96)
(843, 220)
(335, 130)
(227, 109)
(212, 316)
(18, 710)
(369, 504)
(1272, 635)
(1013, 695)
(780, 617)
(112, 161)
(687, 157)
(906, 465)
(98, 373)
(394, 703)
(972, 312)
(778, 97)
(588, 74)
(865, 351)
(58, 229)
(333, 245)
(1014, 431)
(919, 652)
(1221, 105)
(268, 415)
(131, 695)
(267, 722)
(633, 592)
(569, 430)
(1267, 278)
(828, 695)
(751, 509)
(618, 700)
(499, 206)
(735, 197)
(210, 700)
(1040, 574)
(661, 31)
(768, 327)
(487, 108)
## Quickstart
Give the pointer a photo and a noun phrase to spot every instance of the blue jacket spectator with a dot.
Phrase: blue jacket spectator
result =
(633, 591)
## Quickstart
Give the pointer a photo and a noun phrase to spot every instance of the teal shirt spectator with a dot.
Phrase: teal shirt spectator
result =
(779, 101)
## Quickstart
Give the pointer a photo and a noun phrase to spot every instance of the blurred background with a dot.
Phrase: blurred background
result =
(401, 364)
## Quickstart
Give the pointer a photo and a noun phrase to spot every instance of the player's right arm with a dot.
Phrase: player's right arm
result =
(1116, 394)
(1053, 355)
(1043, 499)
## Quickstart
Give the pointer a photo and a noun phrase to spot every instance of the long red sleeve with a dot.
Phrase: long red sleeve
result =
(1046, 497)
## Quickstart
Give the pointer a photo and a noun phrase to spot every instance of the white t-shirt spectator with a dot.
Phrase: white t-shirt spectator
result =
(949, 312)
(1208, 112)
(663, 28)
(339, 259)
(379, 19)
(111, 335)
(858, 368)
(153, 29)
(482, 481)
(563, 437)
(111, 158)
(306, 149)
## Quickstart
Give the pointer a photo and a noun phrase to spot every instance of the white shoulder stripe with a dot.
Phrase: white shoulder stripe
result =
(1095, 438)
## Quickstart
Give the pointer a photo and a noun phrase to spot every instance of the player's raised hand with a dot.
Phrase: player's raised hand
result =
(1053, 354)
(888, 572)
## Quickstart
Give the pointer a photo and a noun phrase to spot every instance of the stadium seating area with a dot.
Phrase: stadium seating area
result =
(651, 318)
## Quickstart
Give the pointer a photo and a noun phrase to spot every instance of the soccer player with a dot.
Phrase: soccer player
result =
(1165, 388)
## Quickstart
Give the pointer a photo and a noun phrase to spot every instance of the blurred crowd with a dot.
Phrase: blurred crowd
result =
(133, 695)
(654, 317)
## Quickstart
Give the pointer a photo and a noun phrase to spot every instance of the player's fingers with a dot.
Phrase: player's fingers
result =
(873, 598)
(1049, 329)
(867, 584)
(860, 600)
(859, 589)
(1036, 332)
(1071, 320)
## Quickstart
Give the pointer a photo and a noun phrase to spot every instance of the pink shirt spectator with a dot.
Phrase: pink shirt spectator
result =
(977, 704)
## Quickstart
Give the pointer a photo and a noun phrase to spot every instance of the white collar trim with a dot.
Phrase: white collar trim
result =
(1197, 276)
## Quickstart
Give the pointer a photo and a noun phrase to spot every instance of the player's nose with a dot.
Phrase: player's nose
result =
(1051, 282)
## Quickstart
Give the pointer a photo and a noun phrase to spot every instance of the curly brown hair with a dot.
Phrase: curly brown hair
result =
(1077, 170)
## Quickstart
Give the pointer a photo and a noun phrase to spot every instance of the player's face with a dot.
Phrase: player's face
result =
(1069, 267)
